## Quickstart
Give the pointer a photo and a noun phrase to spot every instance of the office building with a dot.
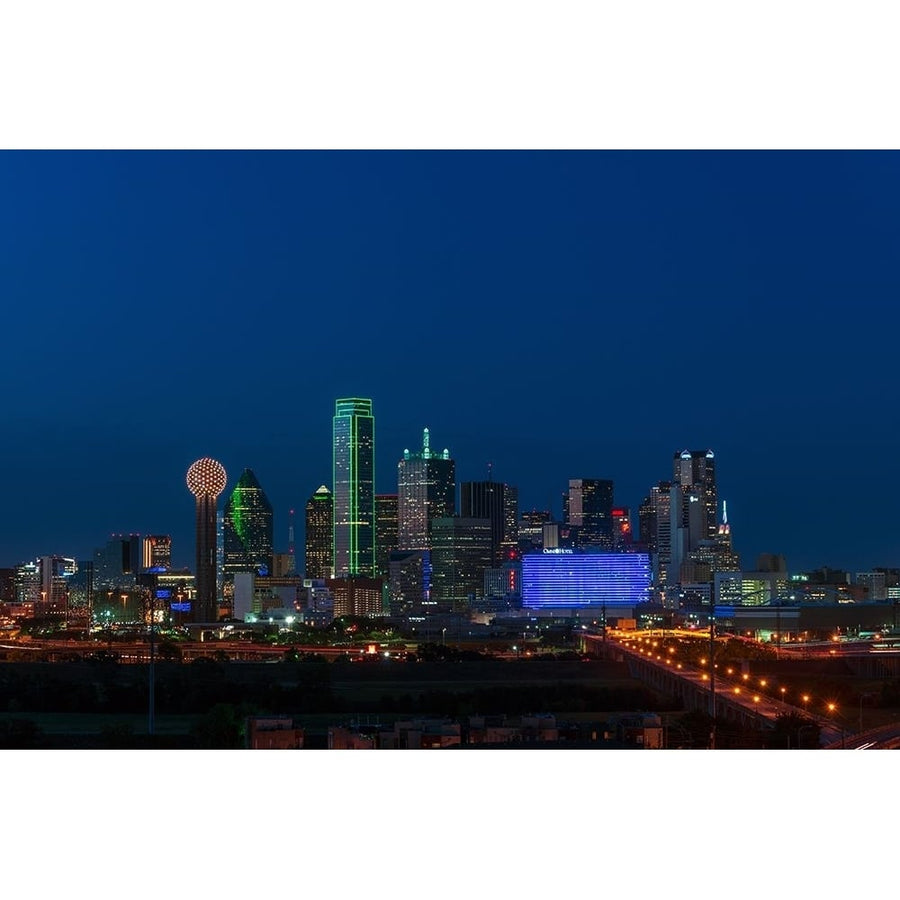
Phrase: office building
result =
(875, 584)
(118, 562)
(7, 585)
(460, 555)
(55, 574)
(409, 581)
(588, 507)
(319, 534)
(531, 528)
(695, 472)
(356, 595)
(498, 503)
(206, 479)
(622, 536)
(426, 490)
(248, 529)
(505, 581)
(353, 430)
(156, 552)
(386, 520)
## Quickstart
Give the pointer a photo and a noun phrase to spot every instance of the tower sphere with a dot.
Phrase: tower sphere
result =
(206, 478)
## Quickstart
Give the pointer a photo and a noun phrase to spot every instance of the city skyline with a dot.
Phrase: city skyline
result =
(734, 300)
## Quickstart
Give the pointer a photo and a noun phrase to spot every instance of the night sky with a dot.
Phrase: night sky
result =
(562, 315)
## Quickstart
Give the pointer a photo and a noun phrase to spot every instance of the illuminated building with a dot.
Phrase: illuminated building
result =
(220, 553)
(711, 556)
(647, 524)
(498, 503)
(588, 507)
(283, 565)
(386, 519)
(28, 584)
(656, 533)
(409, 574)
(875, 584)
(7, 585)
(116, 564)
(356, 595)
(695, 472)
(319, 534)
(531, 528)
(156, 552)
(622, 536)
(55, 574)
(206, 479)
(248, 528)
(571, 580)
(426, 490)
(354, 487)
(505, 581)
(460, 555)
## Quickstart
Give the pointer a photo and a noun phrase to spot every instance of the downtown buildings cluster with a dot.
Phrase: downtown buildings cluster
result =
(430, 553)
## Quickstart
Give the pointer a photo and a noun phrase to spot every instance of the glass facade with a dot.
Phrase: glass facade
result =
(460, 555)
(498, 502)
(426, 490)
(386, 518)
(589, 504)
(248, 528)
(319, 519)
(354, 488)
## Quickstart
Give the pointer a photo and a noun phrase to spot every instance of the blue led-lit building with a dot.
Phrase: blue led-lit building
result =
(563, 579)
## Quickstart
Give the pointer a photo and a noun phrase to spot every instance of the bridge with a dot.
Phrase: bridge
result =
(732, 700)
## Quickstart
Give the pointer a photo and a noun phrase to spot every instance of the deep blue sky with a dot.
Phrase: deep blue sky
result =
(563, 315)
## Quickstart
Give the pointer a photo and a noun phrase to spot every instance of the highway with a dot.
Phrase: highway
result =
(735, 689)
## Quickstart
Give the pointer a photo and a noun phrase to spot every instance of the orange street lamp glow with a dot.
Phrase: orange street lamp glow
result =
(762, 681)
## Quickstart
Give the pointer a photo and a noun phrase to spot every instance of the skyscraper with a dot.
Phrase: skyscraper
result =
(497, 502)
(622, 536)
(354, 487)
(588, 507)
(157, 552)
(695, 472)
(248, 528)
(206, 479)
(385, 532)
(460, 555)
(319, 524)
(531, 528)
(426, 490)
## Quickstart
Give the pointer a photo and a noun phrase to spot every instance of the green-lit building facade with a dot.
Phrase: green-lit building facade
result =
(247, 529)
(354, 487)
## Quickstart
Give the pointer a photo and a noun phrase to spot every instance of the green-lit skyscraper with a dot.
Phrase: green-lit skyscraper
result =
(248, 528)
(354, 487)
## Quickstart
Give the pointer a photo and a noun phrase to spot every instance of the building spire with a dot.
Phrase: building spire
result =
(426, 444)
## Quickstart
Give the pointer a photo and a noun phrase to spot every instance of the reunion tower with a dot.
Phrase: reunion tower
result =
(206, 480)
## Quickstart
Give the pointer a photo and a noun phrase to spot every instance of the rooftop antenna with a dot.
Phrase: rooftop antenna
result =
(490, 471)
(291, 534)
